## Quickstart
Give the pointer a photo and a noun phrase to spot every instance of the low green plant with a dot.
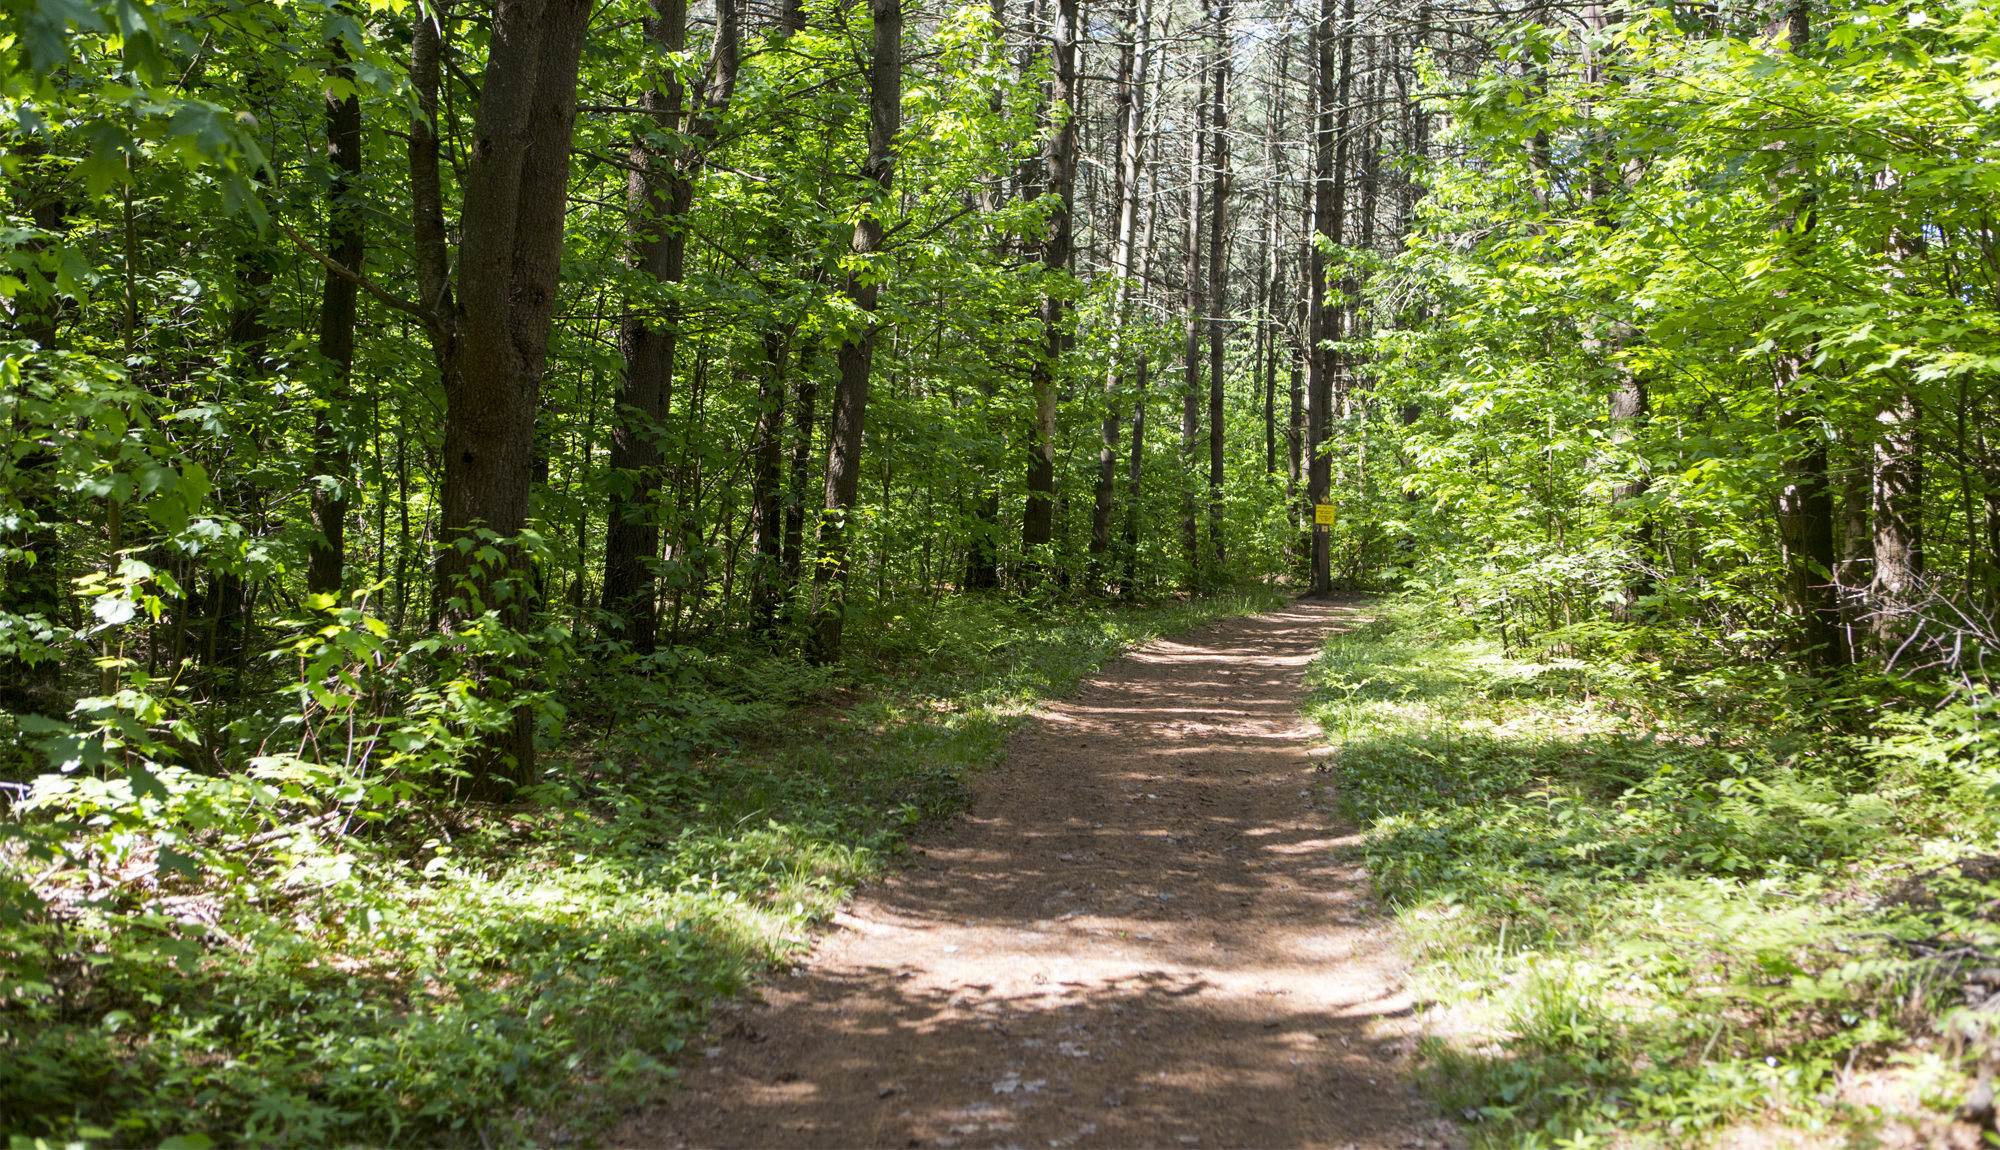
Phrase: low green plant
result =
(317, 946)
(1656, 906)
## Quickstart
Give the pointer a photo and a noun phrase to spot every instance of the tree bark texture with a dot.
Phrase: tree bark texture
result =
(509, 260)
(1898, 523)
(1191, 386)
(658, 195)
(1335, 41)
(1218, 280)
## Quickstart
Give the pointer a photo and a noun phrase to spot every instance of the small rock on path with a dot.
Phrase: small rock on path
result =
(1144, 933)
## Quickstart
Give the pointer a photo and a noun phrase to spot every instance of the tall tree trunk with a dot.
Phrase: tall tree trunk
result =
(1191, 387)
(1272, 263)
(1336, 67)
(658, 195)
(1058, 173)
(1133, 58)
(1218, 280)
(326, 553)
(982, 553)
(509, 261)
(857, 352)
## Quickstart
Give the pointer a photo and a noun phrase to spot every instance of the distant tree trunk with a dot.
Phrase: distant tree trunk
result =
(1805, 525)
(1133, 58)
(509, 261)
(1218, 281)
(1058, 173)
(1856, 537)
(982, 553)
(1631, 409)
(1191, 388)
(658, 196)
(428, 239)
(1805, 498)
(1273, 262)
(326, 553)
(1134, 477)
(803, 422)
(766, 500)
(1336, 65)
(857, 352)
(1899, 522)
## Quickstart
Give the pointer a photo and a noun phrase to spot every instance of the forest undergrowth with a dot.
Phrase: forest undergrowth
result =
(421, 973)
(1648, 906)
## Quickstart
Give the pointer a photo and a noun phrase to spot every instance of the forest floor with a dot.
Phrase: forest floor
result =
(1147, 930)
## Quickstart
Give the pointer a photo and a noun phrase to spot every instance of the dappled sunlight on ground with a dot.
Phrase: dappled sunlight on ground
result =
(1144, 933)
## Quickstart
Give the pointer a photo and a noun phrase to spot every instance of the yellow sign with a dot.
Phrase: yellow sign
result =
(1322, 515)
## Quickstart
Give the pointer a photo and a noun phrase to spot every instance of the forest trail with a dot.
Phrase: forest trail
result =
(1143, 933)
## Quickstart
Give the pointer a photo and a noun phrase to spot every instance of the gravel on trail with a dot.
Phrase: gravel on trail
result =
(1147, 931)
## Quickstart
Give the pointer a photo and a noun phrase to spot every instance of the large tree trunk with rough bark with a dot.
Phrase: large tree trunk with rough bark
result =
(509, 261)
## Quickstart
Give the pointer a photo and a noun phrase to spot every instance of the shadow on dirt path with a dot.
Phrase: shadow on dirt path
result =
(1144, 933)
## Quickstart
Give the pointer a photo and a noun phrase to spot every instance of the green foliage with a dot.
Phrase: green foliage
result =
(1780, 250)
(380, 968)
(1652, 909)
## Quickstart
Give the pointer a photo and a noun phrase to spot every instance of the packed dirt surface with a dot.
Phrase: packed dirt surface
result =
(1145, 932)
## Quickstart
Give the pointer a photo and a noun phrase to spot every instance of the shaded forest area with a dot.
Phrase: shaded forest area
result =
(494, 495)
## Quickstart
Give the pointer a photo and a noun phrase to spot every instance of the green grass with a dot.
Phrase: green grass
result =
(1640, 917)
(519, 975)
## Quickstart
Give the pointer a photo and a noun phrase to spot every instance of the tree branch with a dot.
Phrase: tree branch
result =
(429, 317)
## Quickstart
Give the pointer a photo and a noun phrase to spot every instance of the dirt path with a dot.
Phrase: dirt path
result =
(1143, 934)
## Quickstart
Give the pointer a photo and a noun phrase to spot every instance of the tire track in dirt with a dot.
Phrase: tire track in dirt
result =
(1144, 933)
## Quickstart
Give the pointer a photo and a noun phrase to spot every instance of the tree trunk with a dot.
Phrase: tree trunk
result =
(1134, 477)
(509, 261)
(1324, 308)
(1133, 57)
(766, 501)
(982, 553)
(857, 352)
(326, 553)
(804, 419)
(1272, 264)
(1805, 498)
(1059, 177)
(1191, 387)
(658, 195)
(1218, 281)
(1899, 523)
(1805, 526)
